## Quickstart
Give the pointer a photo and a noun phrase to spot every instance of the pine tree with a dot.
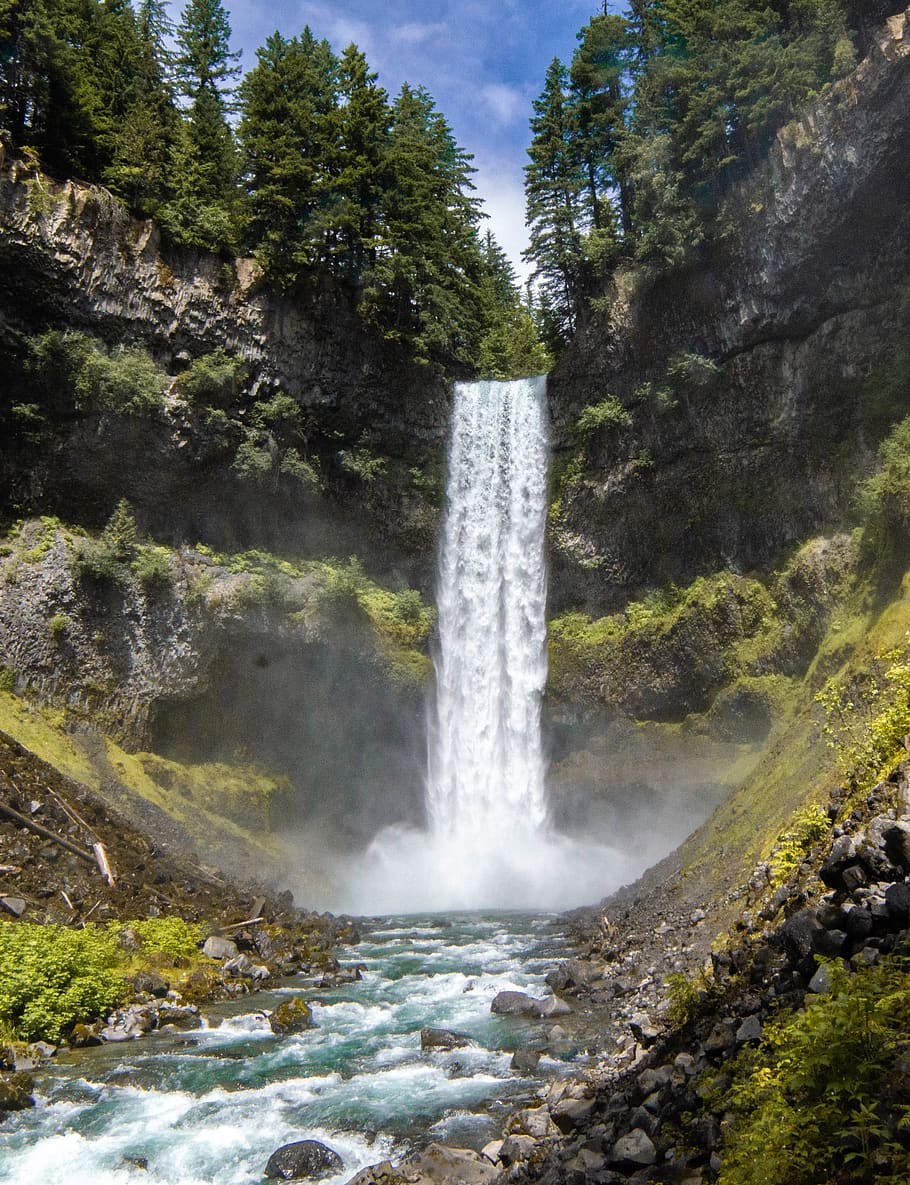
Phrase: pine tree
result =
(288, 137)
(554, 184)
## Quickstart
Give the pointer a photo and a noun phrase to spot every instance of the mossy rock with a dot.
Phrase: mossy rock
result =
(16, 1092)
(291, 1016)
(200, 986)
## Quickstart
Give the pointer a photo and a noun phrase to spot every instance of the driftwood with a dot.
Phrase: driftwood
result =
(98, 856)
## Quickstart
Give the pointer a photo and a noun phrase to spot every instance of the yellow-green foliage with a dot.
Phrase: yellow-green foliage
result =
(825, 1097)
(809, 825)
(171, 937)
(52, 977)
(244, 794)
(684, 998)
(867, 718)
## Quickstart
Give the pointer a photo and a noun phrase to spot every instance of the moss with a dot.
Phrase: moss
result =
(245, 794)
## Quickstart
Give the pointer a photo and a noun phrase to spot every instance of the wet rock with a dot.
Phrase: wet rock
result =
(181, 1016)
(443, 1166)
(216, 947)
(291, 1016)
(534, 1121)
(7, 1057)
(41, 1050)
(572, 1113)
(551, 1006)
(842, 856)
(514, 1004)
(16, 1092)
(85, 1035)
(303, 1159)
(635, 1148)
(491, 1150)
(524, 1061)
(443, 1039)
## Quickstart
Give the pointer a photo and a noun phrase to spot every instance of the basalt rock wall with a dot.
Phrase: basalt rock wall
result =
(760, 380)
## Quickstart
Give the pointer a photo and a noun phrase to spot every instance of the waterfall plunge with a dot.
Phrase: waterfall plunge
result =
(489, 843)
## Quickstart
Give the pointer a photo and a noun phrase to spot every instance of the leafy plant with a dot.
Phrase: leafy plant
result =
(609, 413)
(808, 827)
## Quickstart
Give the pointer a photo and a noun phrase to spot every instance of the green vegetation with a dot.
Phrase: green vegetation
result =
(809, 826)
(825, 1097)
(342, 193)
(636, 143)
(884, 499)
(52, 977)
(609, 413)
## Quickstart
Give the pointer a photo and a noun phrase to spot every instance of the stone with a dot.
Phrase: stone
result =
(829, 943)
(152, 983)
(651, 1080)
(517, 1148)
(854, 878)
(572, 1113)
(525, 1061)
(644, 1030)
(750, 1030)
(721, 1038)
(443, 1039)
(842, 854)
(897, 899)
(798, 932)
(41, 1050)
(304, 1159)
(897, 844)
(821, 982)
(536, 1122)
(636, 1147)
(84, 1035)
(14, 905)
(552, 1006)
(491, 1150)
(291, 1016)
(216, 947)
(244, 967)
(444, 1166)
(16, 1091)
(514, 1004)
(858, 923)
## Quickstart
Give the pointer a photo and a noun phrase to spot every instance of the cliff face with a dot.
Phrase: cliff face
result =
(71, 257)
(759, 382)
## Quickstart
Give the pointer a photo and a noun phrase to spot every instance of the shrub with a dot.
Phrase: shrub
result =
(171, 937)
(214, 379)
(884, 499)
(52, 977)
(609, 413)
(808, 827)
(152, 568)
(126, 381)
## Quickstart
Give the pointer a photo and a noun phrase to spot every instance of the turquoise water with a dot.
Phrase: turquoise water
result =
(210, 1106)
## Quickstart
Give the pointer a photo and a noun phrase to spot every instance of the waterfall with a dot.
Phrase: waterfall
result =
(486, 767)
(490, 843)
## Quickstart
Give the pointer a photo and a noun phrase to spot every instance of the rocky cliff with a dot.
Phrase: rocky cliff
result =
(753, 386)
(71, 257)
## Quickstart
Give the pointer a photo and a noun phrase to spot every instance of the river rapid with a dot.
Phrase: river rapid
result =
(211, 1105)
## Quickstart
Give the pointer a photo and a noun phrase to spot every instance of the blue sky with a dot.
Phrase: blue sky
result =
(484, 64)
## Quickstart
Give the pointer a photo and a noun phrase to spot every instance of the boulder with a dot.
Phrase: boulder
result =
(798, 932)
(636, 1147)
(291, 1016)
(841, 856)
(514, 1004)
(216, 947)
(897, 844)
(304, 1159)
(552, 1006)
(16, 1092)
(517, 1148)
(244, 967)
(750, 1030)
(443, 1039)
(440, 1165)
(525, 1061)
(151, 983)
(897, 899)
(572, 1113)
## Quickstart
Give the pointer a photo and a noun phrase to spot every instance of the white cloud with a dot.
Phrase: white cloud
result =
(504, 201)
(506, 104)
(417, 32)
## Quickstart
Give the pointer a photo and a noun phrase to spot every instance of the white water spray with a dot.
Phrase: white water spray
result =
(490, 843)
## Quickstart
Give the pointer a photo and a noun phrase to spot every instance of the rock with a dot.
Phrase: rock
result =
(524, 1061)
(444, 1166)
(491, 1150)
(536, 1122)
(517, 1148)
(514, 1004)
(636, 1148)
(721, 1038)
(152, 983)
(651, 1080)
(41, 1050)
(572, 1113)
(897, 899)
(829, 943)
(129, 940)
(797, 934)
(750, 1030)
(821, 982)
(552, 1006)
(216, 947)
(291, 1016)
(14, 905)
(181, 1016)
(85, 1035)
(443, 1039)
(842, 855)
(644, 1030)
(574, 973)
(303, 1159)
(244, 967)
(384, 1173)
(16, 1092)
(854, 878)
(7, 1057)
(897, 844)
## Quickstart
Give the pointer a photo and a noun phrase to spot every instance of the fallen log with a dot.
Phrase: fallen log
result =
(46, 833)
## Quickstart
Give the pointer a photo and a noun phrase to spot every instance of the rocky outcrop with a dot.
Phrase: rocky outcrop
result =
(760, 379)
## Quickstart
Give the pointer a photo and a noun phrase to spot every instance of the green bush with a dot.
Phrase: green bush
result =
(152, 567)
(172, 937)
(126, 381)
(214, 380)
(826, 1096)
(51, 977)
(609, 413)
(808, 827)
(884, 499)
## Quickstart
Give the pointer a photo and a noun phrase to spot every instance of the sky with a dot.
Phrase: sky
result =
(483, 63)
